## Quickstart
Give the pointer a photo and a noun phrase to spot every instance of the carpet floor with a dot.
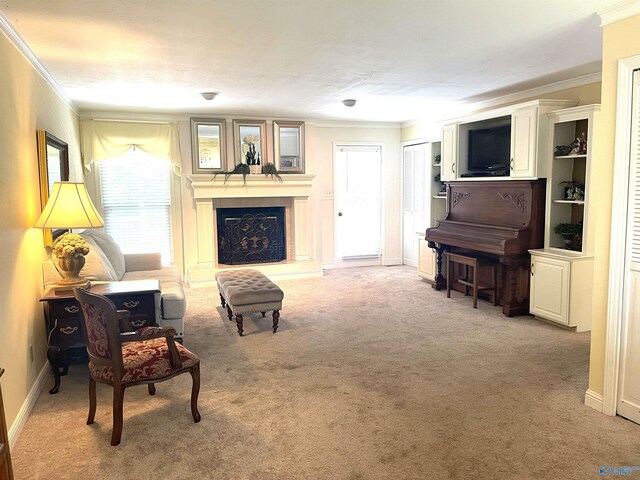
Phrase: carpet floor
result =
(372, 375)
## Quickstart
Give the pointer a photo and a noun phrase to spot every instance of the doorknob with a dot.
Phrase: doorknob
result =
(339, 214)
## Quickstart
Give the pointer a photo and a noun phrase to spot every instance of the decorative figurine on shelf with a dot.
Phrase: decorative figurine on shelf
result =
(579, 146)
(436, 160)
(252, 157)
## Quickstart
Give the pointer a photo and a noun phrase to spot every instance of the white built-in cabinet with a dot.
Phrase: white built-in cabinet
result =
(438, 203)
(561, 274)
(529, 139)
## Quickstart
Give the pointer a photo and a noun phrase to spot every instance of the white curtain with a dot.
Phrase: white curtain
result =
(105, 139)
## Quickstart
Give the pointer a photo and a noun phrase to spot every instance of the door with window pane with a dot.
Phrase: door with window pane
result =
(136, 203)
(358, 205)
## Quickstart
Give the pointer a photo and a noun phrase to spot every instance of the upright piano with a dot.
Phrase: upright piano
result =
(501, 219)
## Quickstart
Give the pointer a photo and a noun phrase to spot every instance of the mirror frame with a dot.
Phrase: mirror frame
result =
(277, 125)
(237, 140)
(195, 153)
(45, 141)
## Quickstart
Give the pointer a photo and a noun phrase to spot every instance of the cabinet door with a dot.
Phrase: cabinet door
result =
(427, 261)
(449, 154)
(524, 134)
(550, 288)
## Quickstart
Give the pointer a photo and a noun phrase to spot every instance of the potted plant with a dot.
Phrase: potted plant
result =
(568, 231)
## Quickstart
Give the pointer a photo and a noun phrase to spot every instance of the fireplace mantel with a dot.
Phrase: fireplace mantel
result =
(257, 186)
(295, 188)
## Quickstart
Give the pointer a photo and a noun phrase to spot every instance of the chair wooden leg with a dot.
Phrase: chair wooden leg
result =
(118, 400)
(195, 391)
(152, 388)
(92, 401)
(276, 317)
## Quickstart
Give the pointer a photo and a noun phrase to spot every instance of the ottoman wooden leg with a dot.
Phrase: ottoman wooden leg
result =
(229, 313)
(276, 317)
(263, 314)
(239, 323)
(224, 304)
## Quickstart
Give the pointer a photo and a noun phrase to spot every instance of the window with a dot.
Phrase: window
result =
(136, 202)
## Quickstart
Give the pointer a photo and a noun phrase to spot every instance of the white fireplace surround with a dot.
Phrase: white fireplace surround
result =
(211, 192)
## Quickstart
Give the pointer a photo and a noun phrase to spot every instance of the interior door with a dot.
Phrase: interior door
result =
(629, 381)
(358, 192)
(416, 199)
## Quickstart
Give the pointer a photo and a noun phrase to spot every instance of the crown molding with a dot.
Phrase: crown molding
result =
(619, 11)
(23, 48)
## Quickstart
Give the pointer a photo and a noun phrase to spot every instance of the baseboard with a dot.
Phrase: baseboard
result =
(593, 400)
(27, 406)
(392, 261)
(329, 266)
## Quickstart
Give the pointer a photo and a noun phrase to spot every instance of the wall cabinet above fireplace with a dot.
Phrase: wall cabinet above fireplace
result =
(499, 144)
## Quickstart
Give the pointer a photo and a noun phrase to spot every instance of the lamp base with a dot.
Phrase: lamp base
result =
(65, 287)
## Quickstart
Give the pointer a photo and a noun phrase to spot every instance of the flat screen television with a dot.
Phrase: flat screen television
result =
(490, 150)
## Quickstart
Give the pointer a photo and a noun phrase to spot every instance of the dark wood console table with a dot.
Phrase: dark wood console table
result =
(65, 324)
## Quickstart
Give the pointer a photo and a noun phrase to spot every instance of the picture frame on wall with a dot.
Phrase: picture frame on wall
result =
(208, 145)
(249, 141)
(288, 146)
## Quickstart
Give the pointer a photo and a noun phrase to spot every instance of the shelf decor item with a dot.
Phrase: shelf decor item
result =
(69, 206)
(573, 190)
(568, 231)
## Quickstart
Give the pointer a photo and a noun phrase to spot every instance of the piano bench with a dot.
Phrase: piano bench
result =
(469, 260)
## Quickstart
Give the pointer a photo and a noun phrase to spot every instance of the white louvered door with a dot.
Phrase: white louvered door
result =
(629, 385)
(416, 199)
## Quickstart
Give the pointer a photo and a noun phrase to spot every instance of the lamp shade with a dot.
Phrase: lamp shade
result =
(69, 206)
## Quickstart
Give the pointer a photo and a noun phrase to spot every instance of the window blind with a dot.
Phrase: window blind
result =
(136, 203)
(634, 184)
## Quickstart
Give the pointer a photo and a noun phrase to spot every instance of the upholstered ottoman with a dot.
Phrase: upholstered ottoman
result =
(248, 291)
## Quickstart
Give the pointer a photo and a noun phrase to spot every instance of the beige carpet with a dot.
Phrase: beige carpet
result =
(372, 375)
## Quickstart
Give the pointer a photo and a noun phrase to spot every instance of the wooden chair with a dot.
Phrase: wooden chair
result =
(471, 261)
(147, 356)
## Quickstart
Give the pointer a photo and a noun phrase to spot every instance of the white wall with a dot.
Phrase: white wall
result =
(27, 104)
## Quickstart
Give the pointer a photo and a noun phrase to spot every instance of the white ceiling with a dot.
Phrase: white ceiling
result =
(402, 60)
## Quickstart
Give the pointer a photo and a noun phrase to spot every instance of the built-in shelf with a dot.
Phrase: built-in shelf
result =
(572, 202)
(571, 156)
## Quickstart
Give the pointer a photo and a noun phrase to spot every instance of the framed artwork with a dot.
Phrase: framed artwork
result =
(288, 146)
(249, 139)
(208, 139)
(53, 166)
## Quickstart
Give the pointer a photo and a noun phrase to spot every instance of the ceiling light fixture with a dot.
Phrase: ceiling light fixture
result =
(209, 95)
(349, 102)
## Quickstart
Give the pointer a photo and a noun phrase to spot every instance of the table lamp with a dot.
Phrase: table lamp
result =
(69, 206)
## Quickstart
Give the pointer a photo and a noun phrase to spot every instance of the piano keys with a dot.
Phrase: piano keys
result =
(503, 219)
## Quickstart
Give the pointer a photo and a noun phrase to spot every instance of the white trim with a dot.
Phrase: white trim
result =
(593, 400)
(619, 11)
(538, 91)
(329, 266)
(27, 406)
(617, 246)
(393, 261)
(23, 48)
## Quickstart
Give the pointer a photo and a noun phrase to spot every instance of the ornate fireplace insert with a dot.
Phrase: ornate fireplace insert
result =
(251, 235)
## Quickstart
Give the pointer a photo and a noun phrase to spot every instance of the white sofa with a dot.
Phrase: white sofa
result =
(105, 262)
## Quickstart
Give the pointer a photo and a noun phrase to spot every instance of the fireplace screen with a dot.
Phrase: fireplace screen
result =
(251, 235)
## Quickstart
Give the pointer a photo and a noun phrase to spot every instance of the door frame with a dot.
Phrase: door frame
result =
(383, 194)
(403, 145)
(618, 243)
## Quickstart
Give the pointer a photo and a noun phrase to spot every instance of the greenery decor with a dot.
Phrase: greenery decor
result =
(269, 169)
(568, 228)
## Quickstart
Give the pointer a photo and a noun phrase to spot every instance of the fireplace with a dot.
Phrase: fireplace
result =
(251, 235)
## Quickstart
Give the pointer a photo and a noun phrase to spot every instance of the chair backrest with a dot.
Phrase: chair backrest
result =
(102, 328)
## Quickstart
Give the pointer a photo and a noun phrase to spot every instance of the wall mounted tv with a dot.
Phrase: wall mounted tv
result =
(490, 151)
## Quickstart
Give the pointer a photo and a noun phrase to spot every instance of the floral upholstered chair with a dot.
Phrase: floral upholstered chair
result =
(147, 356)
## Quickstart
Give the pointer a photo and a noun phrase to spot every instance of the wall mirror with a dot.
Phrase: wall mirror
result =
(249, 140)
(208, 140)
(288, 146)
(53, 166)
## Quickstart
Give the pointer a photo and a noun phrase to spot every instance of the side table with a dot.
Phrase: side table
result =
(65, 323)
(6, 472)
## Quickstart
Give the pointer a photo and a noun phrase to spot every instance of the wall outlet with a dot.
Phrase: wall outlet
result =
(31, 357)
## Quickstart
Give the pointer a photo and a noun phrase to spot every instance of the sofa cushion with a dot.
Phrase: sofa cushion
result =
(96, 265)
(173, 302)
(135, 262)
(109, 247)
(168, 273)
